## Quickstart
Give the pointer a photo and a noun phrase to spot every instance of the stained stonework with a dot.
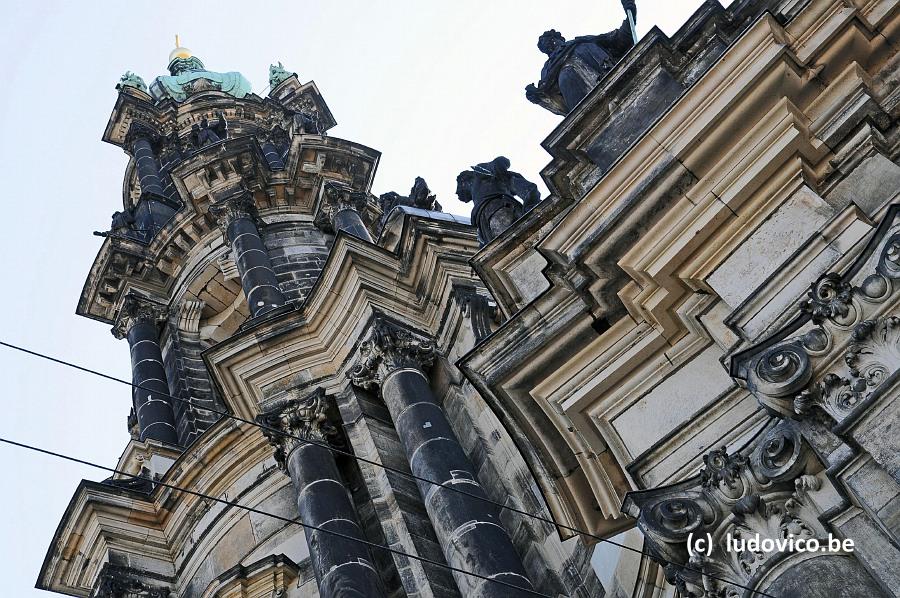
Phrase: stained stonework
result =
(696, 332)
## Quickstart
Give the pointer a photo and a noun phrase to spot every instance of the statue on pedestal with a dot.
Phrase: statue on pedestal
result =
(493, 189)
(574, 67)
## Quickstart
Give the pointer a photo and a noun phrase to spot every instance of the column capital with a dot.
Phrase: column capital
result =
(137, 309)
(762, 490)
(389, 347)
(237, 204)
(139, 130)
(336, 197)
(298, 417)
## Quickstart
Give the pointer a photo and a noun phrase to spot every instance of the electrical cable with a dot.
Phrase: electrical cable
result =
(232, 503)
(338, 451)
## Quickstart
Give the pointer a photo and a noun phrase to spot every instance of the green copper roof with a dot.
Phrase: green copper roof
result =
(189, 76)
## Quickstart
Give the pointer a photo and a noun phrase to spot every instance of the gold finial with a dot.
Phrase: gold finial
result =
(179, 52)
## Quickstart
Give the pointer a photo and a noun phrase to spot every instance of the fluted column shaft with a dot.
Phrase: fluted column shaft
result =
(152, 406)
(342, 565)
(258, 280)
(468, 529)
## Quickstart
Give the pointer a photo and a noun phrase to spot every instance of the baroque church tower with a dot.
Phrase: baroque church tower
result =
(299, 427)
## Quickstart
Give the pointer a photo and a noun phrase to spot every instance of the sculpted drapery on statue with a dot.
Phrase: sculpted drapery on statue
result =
(492, 188)
(574, 67)
(420, 196)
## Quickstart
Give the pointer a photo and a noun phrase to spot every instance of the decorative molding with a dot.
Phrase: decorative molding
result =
(337, 197)
(189, 316)
(843, 344)
(389, 347)
(295, 419)
(114, 583)
(137, 309)
(760, 491)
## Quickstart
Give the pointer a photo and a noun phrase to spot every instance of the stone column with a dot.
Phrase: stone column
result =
(153, 209)
(141, 140)
(236, 216)
(468, 529)
(340, 211)
(343, 566)
(137, 321)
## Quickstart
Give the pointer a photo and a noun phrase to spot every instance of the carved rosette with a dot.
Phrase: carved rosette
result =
(238, 204)
(389, 347)
(760, 490)
(287, 424)
(135, 309)
(829, 298)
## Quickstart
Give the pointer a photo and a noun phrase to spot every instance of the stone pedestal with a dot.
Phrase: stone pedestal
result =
(468, 529)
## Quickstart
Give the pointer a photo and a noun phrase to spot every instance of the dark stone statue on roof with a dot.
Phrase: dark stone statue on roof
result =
(204, 133)
(493, 189)
(420, 196)
(574, 67)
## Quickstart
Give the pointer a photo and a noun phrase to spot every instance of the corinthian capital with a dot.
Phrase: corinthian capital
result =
(337, 197)
(291, 422)
(238, 204)
(389, 347)
(137, 309)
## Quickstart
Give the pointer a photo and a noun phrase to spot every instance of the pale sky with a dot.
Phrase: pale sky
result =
(434, 86)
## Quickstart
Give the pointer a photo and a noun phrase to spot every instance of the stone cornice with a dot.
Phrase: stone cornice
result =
(175, 530)
(158, 268)
(358, 281)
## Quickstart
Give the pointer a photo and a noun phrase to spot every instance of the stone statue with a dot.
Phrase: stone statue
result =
(204, 134)
(122, 221)
(574, 67)
(492, 188)
(278, 75)
(420, 196)
(129, 79)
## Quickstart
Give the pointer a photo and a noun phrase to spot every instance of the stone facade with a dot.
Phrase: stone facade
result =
(693, 336)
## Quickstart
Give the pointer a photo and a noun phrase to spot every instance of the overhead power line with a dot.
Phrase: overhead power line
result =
(234, 504)
(338, 451)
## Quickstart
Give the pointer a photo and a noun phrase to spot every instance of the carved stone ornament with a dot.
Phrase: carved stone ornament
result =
(843, 345)
(337, 197)
(116, 584)
(294, 419)
(278, 75)
(130, 79)
(389, 347)
(238, 204)
(759, 491)
(420, 196)
(135, 309)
